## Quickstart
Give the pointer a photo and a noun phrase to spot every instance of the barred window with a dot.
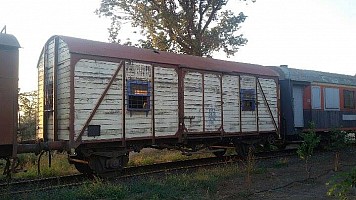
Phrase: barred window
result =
(139, 93)
(349, 99)
(248, 100)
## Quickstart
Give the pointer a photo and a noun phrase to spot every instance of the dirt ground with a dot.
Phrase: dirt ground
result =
(289, 180)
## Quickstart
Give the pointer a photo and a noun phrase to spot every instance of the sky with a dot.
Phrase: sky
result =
(305, 34)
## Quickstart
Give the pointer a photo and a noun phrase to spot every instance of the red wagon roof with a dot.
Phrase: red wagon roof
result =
(95, 48)
(9, 40)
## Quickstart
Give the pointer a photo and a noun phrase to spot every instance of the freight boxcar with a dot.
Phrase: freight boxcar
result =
(9, 63)
(103, 100)
(326, 99)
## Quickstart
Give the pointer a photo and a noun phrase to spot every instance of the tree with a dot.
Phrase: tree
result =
(27, 115)
(338, 141)
(306, 149)
(194, 27)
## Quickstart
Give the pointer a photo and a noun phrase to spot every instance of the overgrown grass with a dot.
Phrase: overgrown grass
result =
(202, 184)
(60, 165)
(28, 166)
(152, 156)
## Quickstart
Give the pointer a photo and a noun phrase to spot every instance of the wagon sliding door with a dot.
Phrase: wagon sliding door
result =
(152, 101)
(202, 102)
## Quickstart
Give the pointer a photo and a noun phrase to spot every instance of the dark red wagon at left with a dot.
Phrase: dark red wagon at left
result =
(9, 64)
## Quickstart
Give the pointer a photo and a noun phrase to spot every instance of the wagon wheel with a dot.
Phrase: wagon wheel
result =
(271, 139)
(83, 168)
(108, 166)
(219, 153)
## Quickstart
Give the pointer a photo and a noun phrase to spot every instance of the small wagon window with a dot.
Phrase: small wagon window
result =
(349, 99)
(248, 100)
(49, 95)
(139, 93)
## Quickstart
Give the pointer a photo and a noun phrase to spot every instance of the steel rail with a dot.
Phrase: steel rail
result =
(51, 183)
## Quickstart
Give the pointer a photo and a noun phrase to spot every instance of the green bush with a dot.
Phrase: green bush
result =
(341, 184)
(306, 149)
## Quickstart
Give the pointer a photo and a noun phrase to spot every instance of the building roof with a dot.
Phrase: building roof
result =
(95, 48)
(8, 40)
(315, 76)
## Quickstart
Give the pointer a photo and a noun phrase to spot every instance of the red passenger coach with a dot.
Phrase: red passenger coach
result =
(326, 99)
(9, 63)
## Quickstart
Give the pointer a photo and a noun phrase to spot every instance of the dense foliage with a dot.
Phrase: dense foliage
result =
(27, 115)
(194, 27)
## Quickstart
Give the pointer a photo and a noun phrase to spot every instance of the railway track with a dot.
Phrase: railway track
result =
(13, 188)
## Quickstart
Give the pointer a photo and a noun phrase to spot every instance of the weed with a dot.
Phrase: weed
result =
(341, 184)
(282, 162)
(338, 141)
(250, 166)
(306, 149)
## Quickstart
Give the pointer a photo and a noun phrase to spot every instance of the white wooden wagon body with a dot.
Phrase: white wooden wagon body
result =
(94, 92)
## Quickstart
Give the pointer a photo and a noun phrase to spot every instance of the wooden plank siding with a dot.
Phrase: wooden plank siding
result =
(63, 90)
(193, 102)
(40, 108)
(231, 99)
(138, 123)
(248, 118)
(212, 100)
(205, 103)
(166, 101)
(269, 88)
(45, 68)
(91, 79)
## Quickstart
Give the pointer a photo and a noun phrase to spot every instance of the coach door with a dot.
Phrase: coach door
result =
(298, 106)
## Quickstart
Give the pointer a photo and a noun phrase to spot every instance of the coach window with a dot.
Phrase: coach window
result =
(349, 99)
(139, 93)
(316, 97)
(248, 100)
(332, 99)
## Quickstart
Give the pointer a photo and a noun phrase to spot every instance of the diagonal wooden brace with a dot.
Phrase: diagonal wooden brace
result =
(79, 138)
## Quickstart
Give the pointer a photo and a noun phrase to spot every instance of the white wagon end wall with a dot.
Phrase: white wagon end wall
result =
(53, 81)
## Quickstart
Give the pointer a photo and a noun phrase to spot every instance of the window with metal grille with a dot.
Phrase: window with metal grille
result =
(248, 100)
(349, 99)
(139, 93)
